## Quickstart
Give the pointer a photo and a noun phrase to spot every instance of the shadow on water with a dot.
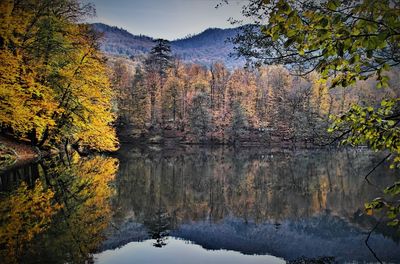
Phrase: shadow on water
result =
(302, 206)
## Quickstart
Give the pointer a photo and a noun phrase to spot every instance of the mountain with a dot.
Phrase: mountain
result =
(205, 48)
(118, 41)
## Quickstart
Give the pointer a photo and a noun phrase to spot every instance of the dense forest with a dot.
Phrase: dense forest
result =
(172, 101)
(59, 89)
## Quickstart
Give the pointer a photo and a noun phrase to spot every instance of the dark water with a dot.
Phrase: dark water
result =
(196, 205)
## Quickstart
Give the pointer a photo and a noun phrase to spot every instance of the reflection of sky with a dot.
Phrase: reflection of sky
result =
(177, 251)
(168, 19)
(315, 237)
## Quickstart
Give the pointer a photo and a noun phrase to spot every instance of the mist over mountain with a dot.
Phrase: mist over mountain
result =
(204, 48)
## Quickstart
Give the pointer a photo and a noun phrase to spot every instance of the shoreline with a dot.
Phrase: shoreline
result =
(14, 153)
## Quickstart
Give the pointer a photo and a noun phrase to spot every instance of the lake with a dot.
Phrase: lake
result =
(196, 205)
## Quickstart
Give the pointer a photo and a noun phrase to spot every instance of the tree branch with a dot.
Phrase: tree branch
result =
(376, 166)
(366, 241)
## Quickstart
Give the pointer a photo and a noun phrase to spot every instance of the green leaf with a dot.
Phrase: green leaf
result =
(324, 22)
(332, 4)
(291, 33)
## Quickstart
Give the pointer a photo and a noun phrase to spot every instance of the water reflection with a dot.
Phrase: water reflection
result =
(58, 212)
(158, 225)
(178, 251)
(230, 204)
(288, 204)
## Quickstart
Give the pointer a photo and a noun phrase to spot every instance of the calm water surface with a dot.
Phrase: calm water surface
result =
(195, 205)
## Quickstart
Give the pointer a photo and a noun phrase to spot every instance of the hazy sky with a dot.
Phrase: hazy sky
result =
(169, 19)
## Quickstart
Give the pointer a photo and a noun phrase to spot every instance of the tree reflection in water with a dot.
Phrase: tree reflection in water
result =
(61, 216)
(158, 226)
(260, 185)
(255, 201)
(319, 194)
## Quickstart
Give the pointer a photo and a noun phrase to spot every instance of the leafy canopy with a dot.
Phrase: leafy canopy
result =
(54, 85)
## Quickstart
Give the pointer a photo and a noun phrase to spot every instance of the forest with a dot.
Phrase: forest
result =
(57, 88)
(311, 76)
(162, 99)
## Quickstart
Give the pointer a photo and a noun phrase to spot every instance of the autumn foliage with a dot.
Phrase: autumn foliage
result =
(199, 104)
(54, 85)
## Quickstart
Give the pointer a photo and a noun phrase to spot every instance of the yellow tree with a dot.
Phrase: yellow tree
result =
(87, 111)
(26, 104)
(54, 85)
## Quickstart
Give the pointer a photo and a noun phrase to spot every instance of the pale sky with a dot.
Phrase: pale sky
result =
(169, 19)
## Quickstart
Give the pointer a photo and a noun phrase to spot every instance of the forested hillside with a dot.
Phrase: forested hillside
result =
(205, 48)
(117, 41)
(165, 100)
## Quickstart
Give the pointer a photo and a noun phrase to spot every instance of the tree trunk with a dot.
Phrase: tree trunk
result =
(44, 137)
(153, 106)
(32, 137)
